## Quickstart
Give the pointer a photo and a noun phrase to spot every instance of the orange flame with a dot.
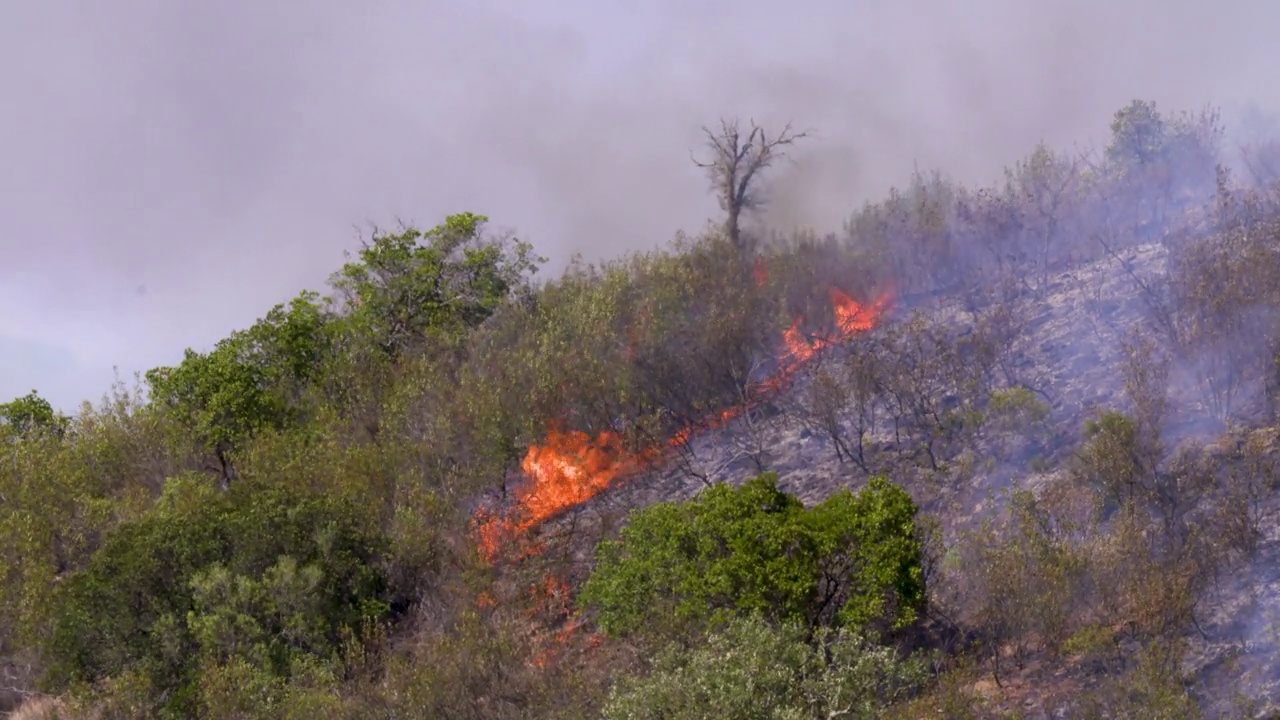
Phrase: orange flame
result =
(760, 273)
(552, 594)
(559, 640)
(572, 467)
(852, 317)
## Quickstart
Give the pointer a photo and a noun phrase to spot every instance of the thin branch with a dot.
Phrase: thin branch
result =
(736, 161)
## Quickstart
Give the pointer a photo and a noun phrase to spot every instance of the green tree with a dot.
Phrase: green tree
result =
(59, 497)
(31, 414)
(408, 285)
(250, 381)
(1139, 134)
(853, 560)
(1111, 457)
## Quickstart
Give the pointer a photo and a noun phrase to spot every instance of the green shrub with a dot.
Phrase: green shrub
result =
(1018, 407)
(264, 574)
(852, 560)
(752, 669)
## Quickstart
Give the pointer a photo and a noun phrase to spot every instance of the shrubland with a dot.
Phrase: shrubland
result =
(424, 493)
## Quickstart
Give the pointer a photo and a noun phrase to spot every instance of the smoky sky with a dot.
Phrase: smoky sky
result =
(168, 171)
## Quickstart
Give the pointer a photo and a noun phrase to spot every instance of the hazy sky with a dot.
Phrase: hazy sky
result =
(170, 170)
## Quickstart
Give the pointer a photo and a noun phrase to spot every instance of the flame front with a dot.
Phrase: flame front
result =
(852, 317)
(572, 467)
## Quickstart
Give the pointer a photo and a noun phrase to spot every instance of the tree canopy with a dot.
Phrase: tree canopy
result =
(406, 286)
(31, 414)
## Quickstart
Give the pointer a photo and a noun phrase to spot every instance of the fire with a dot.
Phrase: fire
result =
(852, 317)
(760, 273)
(799, 349)
(559, 640)
(548, 603)
(572, 467)
(553, 595)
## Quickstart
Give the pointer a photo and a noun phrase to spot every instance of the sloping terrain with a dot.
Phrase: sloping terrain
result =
(1069, 346)
(391, 501)
(1070, 343)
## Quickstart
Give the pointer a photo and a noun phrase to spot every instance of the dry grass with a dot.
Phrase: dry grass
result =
(41, 708)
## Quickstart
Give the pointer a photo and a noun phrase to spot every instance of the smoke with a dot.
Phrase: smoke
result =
(223, 155)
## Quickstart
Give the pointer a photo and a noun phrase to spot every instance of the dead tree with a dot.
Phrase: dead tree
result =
(737, 157)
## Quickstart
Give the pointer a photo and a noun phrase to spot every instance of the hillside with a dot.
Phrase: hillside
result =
(1072, 338)
(986, 453)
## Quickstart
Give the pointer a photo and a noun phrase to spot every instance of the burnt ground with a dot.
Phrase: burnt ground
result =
(1069, 350)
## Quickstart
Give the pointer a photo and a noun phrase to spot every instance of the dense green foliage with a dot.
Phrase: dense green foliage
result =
(31, 414)
(262, 574)
(250, 381)
(407, 287)
(753, 670)
(853, 560)
(283, 525)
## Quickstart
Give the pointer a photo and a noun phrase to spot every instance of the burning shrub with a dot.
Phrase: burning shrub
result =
(627, 363)
(854, 560)
(698, 332)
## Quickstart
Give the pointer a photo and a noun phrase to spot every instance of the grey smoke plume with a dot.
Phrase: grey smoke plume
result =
(219, 155)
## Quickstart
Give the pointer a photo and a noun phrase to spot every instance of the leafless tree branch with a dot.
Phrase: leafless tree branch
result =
(738, 156)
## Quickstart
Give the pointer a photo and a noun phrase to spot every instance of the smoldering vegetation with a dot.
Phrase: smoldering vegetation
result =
(1077, 383)
(388, 502)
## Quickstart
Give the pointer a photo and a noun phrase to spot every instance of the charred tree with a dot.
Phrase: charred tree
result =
(737, 157)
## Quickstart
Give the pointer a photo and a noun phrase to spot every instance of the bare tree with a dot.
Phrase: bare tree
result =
(737, 157)
(1047, 183)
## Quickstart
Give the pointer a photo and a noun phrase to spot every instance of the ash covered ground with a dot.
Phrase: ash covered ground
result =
(1069, 333)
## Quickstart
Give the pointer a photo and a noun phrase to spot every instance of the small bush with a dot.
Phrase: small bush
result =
(752, 669)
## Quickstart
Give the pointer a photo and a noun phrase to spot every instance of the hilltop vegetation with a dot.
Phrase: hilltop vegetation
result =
(400, 499)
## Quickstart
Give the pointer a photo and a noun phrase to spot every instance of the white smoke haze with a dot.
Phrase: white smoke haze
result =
(170, 171)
